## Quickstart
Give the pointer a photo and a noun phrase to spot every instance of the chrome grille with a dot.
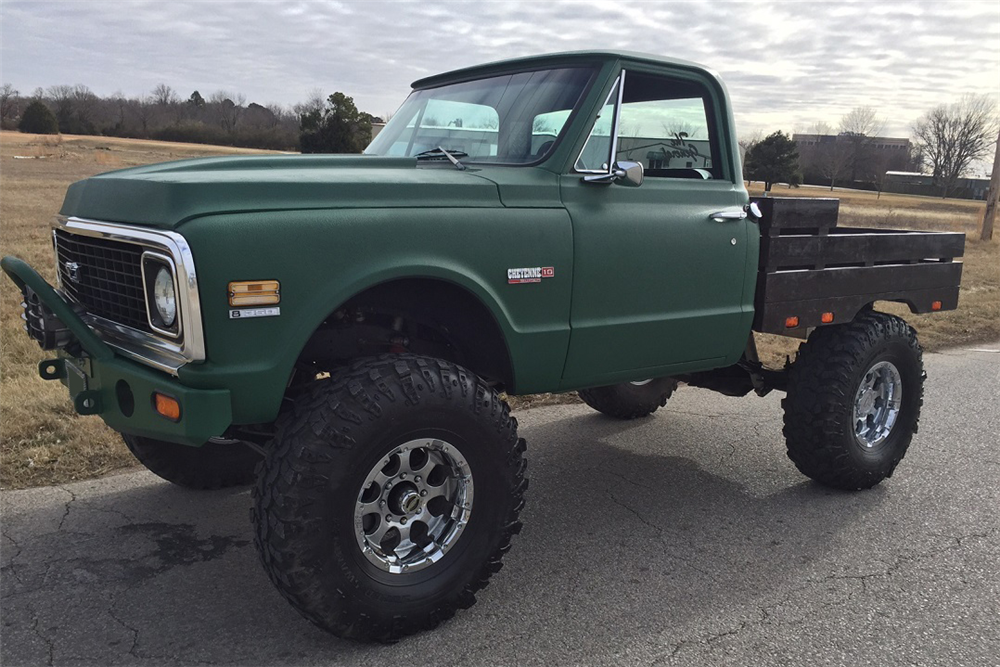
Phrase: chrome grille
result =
(105, 276)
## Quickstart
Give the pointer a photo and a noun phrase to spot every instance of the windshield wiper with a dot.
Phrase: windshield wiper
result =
(451, 155)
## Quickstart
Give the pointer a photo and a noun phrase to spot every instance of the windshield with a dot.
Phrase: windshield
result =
(508, 119)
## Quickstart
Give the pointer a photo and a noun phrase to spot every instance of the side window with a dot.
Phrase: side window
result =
(597, 150)
(664, 124)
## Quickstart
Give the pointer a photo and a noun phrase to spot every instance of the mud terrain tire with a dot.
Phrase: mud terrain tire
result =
(337, 451)
(853, 402)
(630, 400)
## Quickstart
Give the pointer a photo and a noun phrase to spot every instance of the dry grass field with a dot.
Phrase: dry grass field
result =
(42, 441)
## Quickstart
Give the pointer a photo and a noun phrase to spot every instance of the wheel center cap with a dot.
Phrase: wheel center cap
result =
(867, 402)
(409, 502)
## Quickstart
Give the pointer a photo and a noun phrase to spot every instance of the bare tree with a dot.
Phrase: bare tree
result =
(84, 106)
(117, 109)
(62, 100)
(167, 102)
(858, 128)
(8, 103)
(862, 121)
(746, 143)
(677, 128)
(228, 108)
(144, 111)
(821, 128)
(953, 136)
(835, 161)
(315, 103)
(163, 95)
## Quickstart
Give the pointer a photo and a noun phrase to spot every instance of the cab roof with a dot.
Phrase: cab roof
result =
(533, 62)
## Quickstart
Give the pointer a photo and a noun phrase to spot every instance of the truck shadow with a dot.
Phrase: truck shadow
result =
(624, 539)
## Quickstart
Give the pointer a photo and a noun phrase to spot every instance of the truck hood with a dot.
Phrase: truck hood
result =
(168, 194)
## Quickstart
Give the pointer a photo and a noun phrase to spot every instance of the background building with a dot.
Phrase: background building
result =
(914, 183)
(853, 160)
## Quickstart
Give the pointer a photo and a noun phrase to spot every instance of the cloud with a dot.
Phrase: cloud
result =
(787, 65)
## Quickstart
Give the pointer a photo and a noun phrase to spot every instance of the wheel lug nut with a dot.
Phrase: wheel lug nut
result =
(403, 520)
(402, 475)
(417, 479)
(381, 503)
(388, 517)
(423, 493)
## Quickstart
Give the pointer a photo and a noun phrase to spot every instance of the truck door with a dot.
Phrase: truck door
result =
(659, 279)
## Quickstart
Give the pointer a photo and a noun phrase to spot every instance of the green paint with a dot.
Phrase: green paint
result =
(644, 282)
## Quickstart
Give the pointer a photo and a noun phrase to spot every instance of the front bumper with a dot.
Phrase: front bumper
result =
(105, 383)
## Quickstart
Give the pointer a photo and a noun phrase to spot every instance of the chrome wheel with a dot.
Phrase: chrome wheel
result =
(414, 505)
(876, 404)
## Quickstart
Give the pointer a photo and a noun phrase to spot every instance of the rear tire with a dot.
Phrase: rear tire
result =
(630, 400)
(853, 402)
(214, 465)
(389, 496)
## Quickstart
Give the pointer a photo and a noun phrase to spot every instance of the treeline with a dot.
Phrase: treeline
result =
(223, 118)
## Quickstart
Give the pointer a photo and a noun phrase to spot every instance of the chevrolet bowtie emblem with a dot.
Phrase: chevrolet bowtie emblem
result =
(73, 271)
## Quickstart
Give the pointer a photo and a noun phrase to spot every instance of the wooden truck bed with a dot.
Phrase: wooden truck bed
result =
(812, 272)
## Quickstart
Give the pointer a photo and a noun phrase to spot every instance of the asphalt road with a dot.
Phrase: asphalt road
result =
(683, 539)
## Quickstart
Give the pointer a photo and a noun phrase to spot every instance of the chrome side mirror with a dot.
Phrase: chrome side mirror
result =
(623, 173)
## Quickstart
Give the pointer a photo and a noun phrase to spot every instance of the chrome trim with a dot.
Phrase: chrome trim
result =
(146, 285)
(620, 86)
(55, 259)
(139, 345)
(614, 126)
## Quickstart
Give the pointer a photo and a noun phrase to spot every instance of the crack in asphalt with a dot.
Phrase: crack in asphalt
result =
(35, 618)
(902, 561)
(17, 554)
(134, 649)
(660, 536)
(72, 499)
(707, 640)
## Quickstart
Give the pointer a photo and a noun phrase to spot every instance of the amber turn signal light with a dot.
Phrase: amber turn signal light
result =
(167, 406)
(254, 293)
(936, 305)
(826, 318)
(791, 322)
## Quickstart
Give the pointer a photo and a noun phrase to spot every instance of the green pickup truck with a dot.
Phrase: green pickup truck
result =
(338, 329)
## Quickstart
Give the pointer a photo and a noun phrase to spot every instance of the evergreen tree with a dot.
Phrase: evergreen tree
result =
(336, 128)
(774, 160)
(38, 119)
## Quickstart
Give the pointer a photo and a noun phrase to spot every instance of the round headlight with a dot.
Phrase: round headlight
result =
(164, 297)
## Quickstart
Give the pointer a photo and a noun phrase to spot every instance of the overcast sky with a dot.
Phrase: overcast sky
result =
(787, 64)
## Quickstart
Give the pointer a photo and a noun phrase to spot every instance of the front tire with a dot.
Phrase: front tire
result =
(389, 496)
(214, 465)
(853, 402)
(630, 400)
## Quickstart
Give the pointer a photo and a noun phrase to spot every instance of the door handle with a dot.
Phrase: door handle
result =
(729, 215)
